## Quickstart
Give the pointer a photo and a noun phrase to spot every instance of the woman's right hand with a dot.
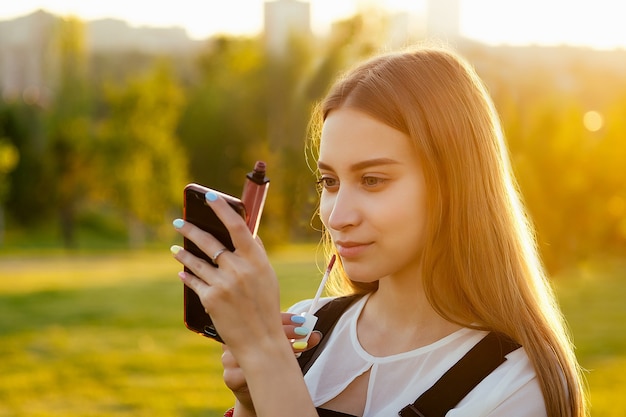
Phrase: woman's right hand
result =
(233, 374)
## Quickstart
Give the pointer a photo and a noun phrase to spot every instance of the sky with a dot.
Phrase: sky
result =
(593, 23)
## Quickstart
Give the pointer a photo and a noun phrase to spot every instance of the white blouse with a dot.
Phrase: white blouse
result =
(395, 381)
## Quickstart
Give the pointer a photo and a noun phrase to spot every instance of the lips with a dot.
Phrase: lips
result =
(349, 249)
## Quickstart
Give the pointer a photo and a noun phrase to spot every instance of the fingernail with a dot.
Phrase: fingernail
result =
(178, 223)
(182, 275)
(210, 196)
(175, 249)
(301, 331)
(298, 319)
(299, 345)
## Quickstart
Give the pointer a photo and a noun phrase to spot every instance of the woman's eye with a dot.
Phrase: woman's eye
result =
(328, 182)
(372, 181)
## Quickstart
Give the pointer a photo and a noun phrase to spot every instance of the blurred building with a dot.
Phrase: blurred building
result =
(28, 60)
(284, 20)
(399, 30)
(25, 61)
(444, 20)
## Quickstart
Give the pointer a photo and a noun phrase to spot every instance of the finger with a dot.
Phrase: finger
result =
(235, 380)
(290, 318)
(314, 340)
(239, 232)
(293, 326)
(198, 285)
(206, 242)
(233, 375)
(228, 359)
(200, 268)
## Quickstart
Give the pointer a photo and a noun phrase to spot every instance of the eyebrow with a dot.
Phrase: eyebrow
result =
(361, 165)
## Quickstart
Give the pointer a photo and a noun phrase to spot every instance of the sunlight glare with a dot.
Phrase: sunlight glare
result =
(596, 23)
(593, 121)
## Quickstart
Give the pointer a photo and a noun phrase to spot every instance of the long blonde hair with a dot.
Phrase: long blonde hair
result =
(480, 264)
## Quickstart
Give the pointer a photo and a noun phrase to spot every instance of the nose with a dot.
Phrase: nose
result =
(340, 210)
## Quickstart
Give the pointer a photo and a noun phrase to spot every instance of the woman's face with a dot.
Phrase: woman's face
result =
(373, 198)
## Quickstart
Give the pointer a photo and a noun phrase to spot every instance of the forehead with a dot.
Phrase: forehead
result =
(349, 136)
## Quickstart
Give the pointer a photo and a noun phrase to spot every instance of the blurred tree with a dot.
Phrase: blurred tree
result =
(571, 177)
(9, 157)
(70, 143)
(224, 126)
(610, 157)
(142, 167)
(224, 123)
(351, 41)
(298, 80)
(287, 110)
(21, 127)
(249, 104)
(243, 105)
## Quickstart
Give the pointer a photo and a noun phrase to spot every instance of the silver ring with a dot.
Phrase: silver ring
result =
(217, 254)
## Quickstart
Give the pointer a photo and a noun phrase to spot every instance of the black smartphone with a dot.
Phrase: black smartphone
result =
(197, 212)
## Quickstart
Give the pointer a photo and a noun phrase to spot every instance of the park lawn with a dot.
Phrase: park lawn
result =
(593, 299)
(102, 335)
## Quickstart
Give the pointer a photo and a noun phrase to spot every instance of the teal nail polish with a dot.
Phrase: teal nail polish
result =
(298, 319)
(178, 223)
(301, 331)
(210, 196)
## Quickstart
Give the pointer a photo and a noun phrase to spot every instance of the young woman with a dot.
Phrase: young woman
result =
(419, 205)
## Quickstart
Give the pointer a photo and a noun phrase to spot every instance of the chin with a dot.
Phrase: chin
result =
(361, 277)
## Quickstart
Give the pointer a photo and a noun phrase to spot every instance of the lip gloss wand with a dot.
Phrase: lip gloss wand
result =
(310, 318)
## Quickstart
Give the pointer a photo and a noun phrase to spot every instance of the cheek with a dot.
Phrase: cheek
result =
(403, 221)
(409, 219)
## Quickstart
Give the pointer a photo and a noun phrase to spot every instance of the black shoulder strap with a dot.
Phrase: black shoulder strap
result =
(327, 317)
(459, 380)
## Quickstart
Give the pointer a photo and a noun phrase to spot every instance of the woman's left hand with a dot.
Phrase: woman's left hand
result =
(234, 377)
(241, 294)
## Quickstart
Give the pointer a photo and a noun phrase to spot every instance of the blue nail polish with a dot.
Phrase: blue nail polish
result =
(298, 319)
(301, 331)
(178, 223)
(210, 196)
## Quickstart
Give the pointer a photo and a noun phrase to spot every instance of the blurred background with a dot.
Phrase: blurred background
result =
(107, 109)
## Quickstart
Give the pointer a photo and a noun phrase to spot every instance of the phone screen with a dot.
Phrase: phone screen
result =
(197, 212)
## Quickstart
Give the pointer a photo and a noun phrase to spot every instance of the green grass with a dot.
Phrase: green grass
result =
(593, 299)
(102, 335)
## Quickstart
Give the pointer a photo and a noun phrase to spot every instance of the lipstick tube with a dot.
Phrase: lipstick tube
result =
(254, 194)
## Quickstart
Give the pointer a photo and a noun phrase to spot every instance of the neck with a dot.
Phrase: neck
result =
(404, 303)
(399, 314)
